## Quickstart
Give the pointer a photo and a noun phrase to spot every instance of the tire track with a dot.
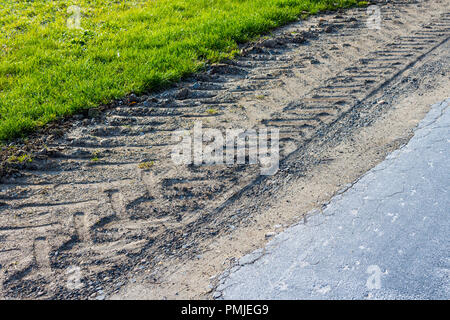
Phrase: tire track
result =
(114, 197)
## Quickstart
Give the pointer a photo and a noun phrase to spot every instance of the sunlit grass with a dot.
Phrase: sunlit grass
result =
(48, 70)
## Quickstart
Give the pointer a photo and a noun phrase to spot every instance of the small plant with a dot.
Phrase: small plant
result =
(95, 156)
(146, 165)
(212, 111)
(260, 97)
(20, 159)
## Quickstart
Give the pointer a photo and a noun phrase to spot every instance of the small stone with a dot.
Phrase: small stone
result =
(299, 38)
(270, 235)
(270, 43)
(182, 94)
(43, 151)
(321, 22)
(133, 98)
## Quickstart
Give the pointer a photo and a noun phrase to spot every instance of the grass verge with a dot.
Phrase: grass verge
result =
(59, 57)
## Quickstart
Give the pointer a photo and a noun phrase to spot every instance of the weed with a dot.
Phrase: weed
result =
(146, 165)
(95, 156)
(20, 159)
(212, 111)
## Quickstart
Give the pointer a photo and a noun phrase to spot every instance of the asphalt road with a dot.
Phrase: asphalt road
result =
(386, 237)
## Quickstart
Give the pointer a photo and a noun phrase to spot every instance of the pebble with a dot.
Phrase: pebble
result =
(270, 43)
(182, 94)
(133, 98)
(270, 234)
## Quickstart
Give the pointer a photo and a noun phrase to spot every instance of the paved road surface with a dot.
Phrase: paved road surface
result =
(387, 237)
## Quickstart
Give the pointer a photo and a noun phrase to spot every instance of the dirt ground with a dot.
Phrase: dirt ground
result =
(104, 198)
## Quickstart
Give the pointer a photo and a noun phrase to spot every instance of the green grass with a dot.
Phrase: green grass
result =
(48, 70)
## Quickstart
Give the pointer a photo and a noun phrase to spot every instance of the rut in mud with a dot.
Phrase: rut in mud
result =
(87, 201)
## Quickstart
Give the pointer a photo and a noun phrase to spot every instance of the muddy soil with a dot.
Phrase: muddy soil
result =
(101, 195)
